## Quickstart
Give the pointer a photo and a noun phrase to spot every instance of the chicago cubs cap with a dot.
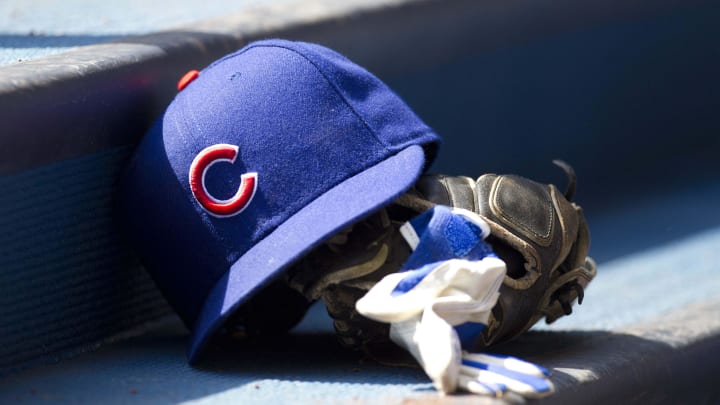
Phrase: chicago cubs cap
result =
(259, 158)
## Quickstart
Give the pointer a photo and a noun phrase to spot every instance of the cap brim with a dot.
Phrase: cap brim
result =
(340, 206)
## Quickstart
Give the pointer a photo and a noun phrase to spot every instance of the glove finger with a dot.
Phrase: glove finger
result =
(508, 362)
(439, 347)
(531, 386)
(472, 385)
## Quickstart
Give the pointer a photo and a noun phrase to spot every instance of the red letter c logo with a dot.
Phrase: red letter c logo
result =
(199, 167)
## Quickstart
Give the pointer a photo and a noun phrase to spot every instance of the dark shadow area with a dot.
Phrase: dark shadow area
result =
(37, 40)
(303, 357)
(622, 368)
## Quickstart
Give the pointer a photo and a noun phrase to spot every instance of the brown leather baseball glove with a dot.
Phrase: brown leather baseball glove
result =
(540, 234)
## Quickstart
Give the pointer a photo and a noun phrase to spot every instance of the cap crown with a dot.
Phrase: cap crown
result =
(300, 118)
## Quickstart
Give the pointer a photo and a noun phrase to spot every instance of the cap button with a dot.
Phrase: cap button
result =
(187, 79)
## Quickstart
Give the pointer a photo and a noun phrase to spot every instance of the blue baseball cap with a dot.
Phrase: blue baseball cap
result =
(259, 158)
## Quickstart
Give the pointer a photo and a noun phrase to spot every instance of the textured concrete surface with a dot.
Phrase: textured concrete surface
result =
(32, 29)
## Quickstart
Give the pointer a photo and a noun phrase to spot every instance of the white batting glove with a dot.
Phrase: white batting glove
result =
(443, 305)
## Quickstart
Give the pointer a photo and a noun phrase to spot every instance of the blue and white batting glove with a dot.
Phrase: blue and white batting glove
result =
(440, 303)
